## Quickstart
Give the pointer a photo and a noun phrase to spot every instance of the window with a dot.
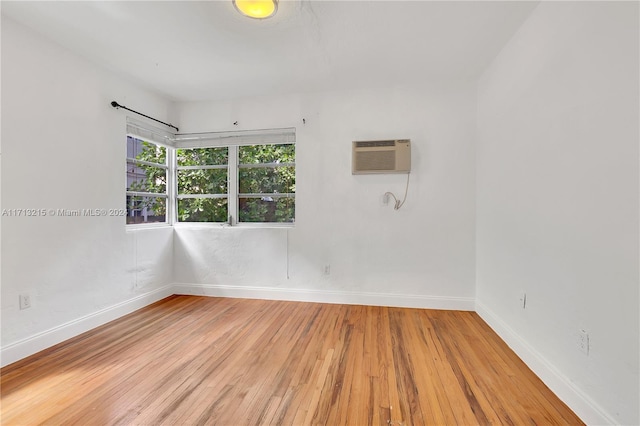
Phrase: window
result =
(245, 177)
(202, 176)
(147, 172)
(236, 184)
(267, 183)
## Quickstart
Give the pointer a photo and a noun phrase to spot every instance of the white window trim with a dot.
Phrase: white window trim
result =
(231, 140)
(167, 196)
(232, 186)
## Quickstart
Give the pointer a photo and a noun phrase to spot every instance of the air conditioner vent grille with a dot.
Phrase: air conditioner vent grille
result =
(376, 160)
(372, 144)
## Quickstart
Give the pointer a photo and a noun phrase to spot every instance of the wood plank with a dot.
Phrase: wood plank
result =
(200, 360)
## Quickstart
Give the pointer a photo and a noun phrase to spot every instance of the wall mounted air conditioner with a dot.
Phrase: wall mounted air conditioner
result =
(390, 156)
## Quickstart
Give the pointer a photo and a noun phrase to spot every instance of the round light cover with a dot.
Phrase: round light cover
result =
(257, 9)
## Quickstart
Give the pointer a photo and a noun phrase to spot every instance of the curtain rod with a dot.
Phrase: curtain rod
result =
(117, 105)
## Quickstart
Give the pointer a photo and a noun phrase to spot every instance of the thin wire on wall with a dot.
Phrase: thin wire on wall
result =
(397, 203)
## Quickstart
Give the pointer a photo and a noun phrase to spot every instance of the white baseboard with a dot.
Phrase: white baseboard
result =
(33, 344)
(590, 412)
(328, 296)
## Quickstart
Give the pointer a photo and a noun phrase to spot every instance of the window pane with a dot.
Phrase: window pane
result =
(202, 156)
(146, 209)
(267, 180)
(208, 181)
(143, 178)
(256, 154)
(267, 209)
(146, 151)
(202, 210)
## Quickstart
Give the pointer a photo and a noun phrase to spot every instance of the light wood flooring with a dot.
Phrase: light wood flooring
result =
(196, 360)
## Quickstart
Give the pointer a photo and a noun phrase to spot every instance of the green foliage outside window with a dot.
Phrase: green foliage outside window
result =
(202, 182)
(267, 169)
(260, 175)
(146, 178)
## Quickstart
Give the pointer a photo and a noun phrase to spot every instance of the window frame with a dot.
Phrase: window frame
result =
(239, 195)
(165, 196)
(230, 140)
(179, 196)
(233, 187)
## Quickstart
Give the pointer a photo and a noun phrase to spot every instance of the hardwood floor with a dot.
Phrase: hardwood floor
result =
(196, 360)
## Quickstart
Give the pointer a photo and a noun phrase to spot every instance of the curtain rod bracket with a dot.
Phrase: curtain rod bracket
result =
(117, 105)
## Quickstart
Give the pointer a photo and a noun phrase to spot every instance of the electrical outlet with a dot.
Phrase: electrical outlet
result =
(523, 300)
(583, 341)
(326, 270)
(25, 301)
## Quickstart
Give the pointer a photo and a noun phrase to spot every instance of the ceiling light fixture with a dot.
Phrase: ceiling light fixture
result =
(257, 9)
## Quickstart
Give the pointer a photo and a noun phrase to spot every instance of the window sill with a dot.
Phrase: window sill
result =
(238, 226)
(142, 226)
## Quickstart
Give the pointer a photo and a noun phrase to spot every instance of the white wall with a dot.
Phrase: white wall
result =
(421, 255)
(63, 148)
(557, 201)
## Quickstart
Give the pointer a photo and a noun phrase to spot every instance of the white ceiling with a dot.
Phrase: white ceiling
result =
(204, 50)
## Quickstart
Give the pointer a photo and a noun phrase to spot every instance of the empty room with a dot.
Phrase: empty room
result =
(298, 212)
